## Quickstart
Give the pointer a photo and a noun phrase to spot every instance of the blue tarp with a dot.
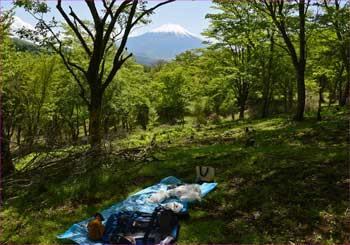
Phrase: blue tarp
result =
(78, 232)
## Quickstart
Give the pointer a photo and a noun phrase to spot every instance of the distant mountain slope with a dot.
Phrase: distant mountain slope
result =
(19, 43)
(18, 23)
(23, 45)
(162, 43)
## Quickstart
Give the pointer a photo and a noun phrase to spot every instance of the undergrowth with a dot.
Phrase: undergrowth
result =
(288, 185)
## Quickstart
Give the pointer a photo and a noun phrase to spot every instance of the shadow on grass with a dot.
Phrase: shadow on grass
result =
(287, 190)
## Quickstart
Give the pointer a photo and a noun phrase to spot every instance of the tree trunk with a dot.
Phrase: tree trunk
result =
(85, 128)
(77, 123)
(299, 64)
(106, 125)
(232, 115)
(242, 103)
(266, 102)
(285, 99)
(302, 63)
(290, 97)
(345, 94)
(242, 97)
(115, 125)
(6, 159)
(301, 95)
(7, 166)
(266, 92)
(19, 130)
(340, 92)
(241, 111)
(269, 81)
(320, 99)
(29, 139)
(73, 133)
(332, 93)
(265, 107)
(95, 119)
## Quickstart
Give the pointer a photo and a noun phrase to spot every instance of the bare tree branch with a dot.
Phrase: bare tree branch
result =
(69, 68)
(307, 7)
(150, 10)
(102, 68)
(108, 10)
(128, 27)
(283, 47)
(73, 27)
(93, 11)
(114, 19)
(72, 13)
(116, 60)
(120, 63)
(67, 63)
(76, 66)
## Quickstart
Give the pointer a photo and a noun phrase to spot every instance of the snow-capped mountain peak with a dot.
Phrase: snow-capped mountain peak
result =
(162, 43)
(18, 23)
(173, 28)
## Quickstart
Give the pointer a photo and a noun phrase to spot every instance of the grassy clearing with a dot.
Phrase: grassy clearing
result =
(289, 187)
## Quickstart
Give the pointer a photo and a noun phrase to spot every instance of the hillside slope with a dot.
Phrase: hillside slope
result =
(290, 186)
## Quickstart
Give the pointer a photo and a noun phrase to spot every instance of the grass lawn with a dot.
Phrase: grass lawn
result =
(289, 187)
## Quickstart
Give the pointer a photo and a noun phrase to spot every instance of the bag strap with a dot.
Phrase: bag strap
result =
(206, 172)
(151, 224)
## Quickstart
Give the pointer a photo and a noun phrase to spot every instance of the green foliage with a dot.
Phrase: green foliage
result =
(245, 71)
(174, 90)
(21, 45)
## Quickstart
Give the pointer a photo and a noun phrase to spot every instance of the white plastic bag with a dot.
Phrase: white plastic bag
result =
(158, 197)
(187, 192)
(174, 206)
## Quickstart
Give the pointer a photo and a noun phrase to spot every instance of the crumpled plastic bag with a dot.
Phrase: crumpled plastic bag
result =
(159, 196)
(191, 192)
(174, 206)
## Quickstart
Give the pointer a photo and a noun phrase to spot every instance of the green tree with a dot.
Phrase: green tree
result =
(126, 101)
(336, 18)
(238, 29)
(7, 167)
(173, 88)
(107, 26)
(37, 84)
(290, 20)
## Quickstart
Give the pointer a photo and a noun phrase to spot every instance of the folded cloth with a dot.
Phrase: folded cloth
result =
(78, 232)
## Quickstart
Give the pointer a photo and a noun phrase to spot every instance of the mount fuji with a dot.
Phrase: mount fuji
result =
(162, 43)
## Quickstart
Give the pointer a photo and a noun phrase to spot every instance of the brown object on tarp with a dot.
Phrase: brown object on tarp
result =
(96, 228)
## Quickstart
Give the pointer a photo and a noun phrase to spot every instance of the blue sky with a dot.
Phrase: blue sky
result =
(188, 13)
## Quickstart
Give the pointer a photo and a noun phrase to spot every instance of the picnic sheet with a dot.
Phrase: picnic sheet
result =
(78, 232)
